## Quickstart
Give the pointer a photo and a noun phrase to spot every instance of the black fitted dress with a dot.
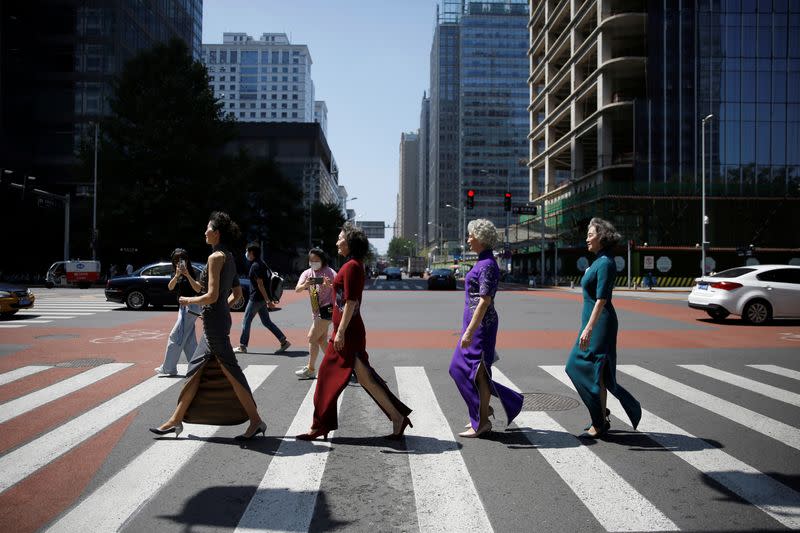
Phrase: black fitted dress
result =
(215, 402)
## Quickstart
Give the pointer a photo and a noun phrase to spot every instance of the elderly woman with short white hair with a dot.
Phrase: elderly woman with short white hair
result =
(471, 366)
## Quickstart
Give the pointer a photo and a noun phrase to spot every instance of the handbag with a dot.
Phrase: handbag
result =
(326, 312)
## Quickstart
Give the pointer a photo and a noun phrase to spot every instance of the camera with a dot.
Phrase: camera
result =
(317, 280)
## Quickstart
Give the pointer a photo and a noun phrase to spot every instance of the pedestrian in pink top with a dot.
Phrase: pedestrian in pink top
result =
(321, 307)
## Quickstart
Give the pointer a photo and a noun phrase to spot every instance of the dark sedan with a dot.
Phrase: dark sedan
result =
(393, 273)
(148, 286)
(442, 278)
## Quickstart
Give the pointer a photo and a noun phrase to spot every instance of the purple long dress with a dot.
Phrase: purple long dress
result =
(481, 281)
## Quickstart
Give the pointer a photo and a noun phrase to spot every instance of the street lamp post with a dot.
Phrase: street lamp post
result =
(704, 220)
(94, 200)
(462, 225)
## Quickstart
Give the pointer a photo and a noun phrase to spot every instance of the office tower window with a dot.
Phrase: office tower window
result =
(233, 69)
(234, 59)
(223, 56)
(249, 57)
(263, 115)
(265, 57)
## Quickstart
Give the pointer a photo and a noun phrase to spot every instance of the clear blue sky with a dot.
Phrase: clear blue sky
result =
(371, 62)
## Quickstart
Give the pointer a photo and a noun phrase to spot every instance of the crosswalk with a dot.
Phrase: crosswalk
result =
(600, 483)
(51, 310)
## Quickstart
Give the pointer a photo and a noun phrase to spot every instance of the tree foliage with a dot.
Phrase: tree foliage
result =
(326, 222)
(163, 166)
(400, 248)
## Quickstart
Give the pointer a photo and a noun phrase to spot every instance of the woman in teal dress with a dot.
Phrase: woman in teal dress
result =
(592, 364)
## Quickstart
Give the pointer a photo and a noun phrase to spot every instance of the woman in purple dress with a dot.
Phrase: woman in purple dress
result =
(471, 366)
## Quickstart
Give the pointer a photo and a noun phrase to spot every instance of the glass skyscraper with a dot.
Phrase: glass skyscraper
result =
(478, 117)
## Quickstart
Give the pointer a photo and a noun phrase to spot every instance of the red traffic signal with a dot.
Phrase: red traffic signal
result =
(470, 199)
(507, 202)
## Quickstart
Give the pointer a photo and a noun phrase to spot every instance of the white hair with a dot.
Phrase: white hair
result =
(484, 231)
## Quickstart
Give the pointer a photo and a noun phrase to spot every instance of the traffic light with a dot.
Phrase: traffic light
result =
(470, 199)
(507, 202)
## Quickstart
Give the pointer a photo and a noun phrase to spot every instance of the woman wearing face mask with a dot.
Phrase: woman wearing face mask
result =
(346, 352)
(314, 281)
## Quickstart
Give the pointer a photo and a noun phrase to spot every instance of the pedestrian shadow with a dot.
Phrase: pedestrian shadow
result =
(288, 446)
(287, 353)
(718, 481)
(225, 506)
(532, 438)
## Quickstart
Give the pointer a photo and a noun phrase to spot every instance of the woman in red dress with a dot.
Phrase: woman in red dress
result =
(346, 352)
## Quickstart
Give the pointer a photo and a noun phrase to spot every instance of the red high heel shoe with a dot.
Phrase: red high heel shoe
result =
(314, 434)
(399, 434)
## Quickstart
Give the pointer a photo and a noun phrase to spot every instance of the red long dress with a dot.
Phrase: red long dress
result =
(336, 367)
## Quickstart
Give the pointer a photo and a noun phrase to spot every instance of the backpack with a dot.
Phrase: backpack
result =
(274, 286)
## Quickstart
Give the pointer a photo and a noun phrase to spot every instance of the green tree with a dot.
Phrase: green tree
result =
(161, 169)
(399, 249)
(326, 222)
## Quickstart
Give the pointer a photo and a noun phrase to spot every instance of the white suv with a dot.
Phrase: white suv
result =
(756, 293)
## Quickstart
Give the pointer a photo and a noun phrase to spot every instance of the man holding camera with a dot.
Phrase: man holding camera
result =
(259, 301)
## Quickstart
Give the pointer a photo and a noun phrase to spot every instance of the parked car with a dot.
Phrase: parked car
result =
(148, 286)
(13, 298)
(393, 273)
(756, 293)
(442, 278)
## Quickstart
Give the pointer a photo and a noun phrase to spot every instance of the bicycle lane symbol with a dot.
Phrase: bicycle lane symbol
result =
(131, 336)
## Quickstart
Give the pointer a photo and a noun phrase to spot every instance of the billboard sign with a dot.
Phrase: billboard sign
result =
(373, 230)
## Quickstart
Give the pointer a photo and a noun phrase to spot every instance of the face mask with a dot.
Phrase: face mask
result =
(315, 266)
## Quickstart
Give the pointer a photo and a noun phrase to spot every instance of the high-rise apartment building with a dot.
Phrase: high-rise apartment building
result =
(321, 115)
(408, 194)
(478, 118)
(264, 80)
(619, 92)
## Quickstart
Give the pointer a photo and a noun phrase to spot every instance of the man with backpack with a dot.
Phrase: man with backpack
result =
(260, 299)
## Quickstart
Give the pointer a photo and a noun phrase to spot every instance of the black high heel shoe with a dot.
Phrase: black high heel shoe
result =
(314, 434)
(399, 434)
(261, 428)
(608, 414)
(177, 429)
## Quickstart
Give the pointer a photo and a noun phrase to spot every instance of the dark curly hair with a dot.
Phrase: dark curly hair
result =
(319, 252)
(608, 234)
(356, 240)
(227, 228)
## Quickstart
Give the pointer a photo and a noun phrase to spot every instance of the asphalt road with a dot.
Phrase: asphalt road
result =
(718, 447)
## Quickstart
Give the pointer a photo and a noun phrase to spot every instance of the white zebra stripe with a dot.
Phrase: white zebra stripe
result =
(25, 460)
(19, 373)
(778, 370)
(774, 498)
(615, 504)
(111, 504)
(287, 493)
(31, 401)
(765, 425)
(445, 495)
(769, 391)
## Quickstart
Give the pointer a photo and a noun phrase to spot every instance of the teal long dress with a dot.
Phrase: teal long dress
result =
(585, 367)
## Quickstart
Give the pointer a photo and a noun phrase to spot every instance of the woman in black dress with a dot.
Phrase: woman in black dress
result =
(216, 391)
